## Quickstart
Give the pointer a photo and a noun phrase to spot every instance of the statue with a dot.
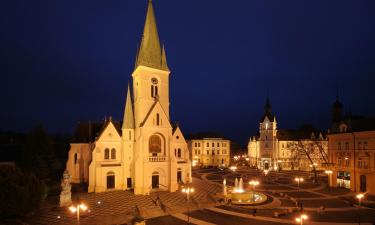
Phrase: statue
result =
(65, 195)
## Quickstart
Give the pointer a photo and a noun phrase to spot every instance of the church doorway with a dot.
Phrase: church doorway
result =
(155, 180)
(179, 176)
(266, 165)
(362, 185)
(110, 180)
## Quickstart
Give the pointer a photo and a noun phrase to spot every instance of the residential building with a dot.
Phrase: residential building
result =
(351, 148)
(210, 151)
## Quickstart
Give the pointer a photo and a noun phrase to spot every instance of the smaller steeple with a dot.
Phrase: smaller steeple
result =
(128, 122)
(268, 111)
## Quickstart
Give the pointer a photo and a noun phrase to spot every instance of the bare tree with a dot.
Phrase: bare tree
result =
(305, 149)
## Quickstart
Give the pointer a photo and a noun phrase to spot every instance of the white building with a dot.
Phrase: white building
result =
(210, 151)
(141, 152)
(286, 149)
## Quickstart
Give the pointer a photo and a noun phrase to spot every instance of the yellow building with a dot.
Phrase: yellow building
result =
(351, 151)
(275, 149)
(210, 151)
(145, 151)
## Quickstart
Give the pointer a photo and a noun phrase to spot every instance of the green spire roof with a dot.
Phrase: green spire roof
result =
(150, 52)
(128, 122)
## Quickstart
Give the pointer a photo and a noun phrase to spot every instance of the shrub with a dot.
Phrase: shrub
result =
(20, 193)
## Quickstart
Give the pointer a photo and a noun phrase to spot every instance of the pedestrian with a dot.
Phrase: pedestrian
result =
(254, 211)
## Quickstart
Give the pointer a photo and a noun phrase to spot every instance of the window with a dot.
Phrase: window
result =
(130, 135)
(365, 145)
(106, 153)
(213, 152)
(175, 152)
(179, 153)
(196, 152)
(208, 152)
(195, 144)
(157, 119)
(199, 144)
(199, 152)
(218, 144)
(346, 146)
(339, 146)
(113, 153)
(208, 144)
(359, 145)
(155, 144)
(339, 161)
(75, 158)
(218, 152)
(213, 144)
(347, 162)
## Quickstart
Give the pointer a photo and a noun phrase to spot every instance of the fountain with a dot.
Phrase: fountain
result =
(239, 196)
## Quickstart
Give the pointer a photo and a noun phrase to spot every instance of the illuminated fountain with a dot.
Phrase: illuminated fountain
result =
(239, 196)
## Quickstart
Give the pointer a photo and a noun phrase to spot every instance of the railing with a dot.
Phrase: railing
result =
(157, 158)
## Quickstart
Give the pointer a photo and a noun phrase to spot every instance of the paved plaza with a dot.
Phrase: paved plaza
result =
(285, 200)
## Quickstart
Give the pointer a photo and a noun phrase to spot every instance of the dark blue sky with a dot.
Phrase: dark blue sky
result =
(66, 61)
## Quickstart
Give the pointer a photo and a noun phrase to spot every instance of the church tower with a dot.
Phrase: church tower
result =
(267, 137)
(155, 162)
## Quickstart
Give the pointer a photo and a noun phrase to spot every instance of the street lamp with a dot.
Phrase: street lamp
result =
(254, 183)
(77, 208)
(359, 197)
(301, 218)
(187, 191)
(329, 173)
(298, 180)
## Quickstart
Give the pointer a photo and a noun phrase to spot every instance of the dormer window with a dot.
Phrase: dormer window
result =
(343, 128)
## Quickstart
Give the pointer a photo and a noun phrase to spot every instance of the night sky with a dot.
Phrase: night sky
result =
(67, 61)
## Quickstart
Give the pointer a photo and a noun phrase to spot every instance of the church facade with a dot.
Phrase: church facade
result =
(145, 152)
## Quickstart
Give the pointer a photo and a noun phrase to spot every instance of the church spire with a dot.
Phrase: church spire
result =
(128, 122)
(150, 52)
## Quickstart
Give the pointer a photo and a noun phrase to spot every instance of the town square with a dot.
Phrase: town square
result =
(200, 112)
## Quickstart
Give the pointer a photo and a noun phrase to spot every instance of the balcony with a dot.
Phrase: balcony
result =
(157, 159)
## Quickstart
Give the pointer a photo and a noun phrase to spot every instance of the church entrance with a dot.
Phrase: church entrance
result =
(110, 180)
(179, 176)
(155, 180)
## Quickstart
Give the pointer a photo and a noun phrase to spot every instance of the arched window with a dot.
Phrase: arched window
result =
(179, 153)
(75, 158)
(157, 119)
(155, 144)
(113, 153)
(106, 153)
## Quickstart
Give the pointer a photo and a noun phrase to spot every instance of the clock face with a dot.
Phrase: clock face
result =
(154, 80)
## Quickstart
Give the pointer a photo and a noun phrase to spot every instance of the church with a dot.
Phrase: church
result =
(145, 151)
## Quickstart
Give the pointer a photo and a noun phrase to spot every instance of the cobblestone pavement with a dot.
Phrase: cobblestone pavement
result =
(119, 207)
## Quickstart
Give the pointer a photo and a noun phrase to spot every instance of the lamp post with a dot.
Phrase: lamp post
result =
(298, 180)
(359, 197)
(187, 191)
(301, 218)
(77, 208)
(254, 183)
(329, 173)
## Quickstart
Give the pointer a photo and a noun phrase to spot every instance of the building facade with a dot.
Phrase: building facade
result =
(145, 151)
(275, 149)
(352, 151)
(210, 151)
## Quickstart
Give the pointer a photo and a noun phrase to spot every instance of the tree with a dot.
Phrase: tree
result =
(313, 151)
(20, 192)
